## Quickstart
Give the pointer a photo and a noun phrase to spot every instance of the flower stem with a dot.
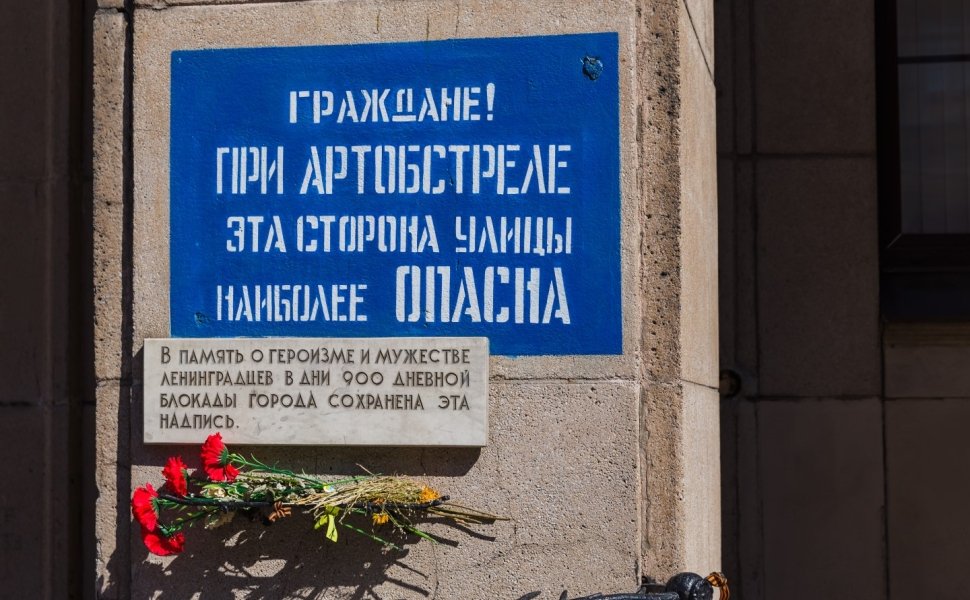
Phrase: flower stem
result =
(180, 523)
(259, 466)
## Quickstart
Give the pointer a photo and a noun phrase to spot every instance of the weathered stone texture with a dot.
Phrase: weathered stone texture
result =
(926, 451)
(108, 190)
(927, 360)
(573, 512)
(698, 243)
(822, 488)
(803, 102)
(111, 410)
(818, 277)
(608, 466)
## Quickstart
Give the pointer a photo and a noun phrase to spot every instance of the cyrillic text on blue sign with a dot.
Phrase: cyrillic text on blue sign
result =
(447, 188)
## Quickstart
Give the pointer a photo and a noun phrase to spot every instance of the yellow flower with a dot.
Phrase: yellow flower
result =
(380, 518)
(428, 494)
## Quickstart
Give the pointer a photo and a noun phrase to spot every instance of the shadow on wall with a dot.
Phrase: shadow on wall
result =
(563, 472)
(239, 560)
(289, 559)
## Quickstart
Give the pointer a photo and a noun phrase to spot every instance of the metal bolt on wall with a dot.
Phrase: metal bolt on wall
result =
(683, 586)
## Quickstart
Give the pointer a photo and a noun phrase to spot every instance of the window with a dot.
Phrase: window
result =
(924, 158)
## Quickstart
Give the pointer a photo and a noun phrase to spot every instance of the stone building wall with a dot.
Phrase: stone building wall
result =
(839, 448)
(608, 467)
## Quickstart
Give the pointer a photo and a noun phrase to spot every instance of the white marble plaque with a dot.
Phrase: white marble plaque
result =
(416, 391)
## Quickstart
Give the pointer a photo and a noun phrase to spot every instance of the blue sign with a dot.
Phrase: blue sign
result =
(447, 188)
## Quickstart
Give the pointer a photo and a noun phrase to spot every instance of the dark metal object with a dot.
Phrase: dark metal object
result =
(683, 586)
(592, 67)
(691, 586)
(730, 383)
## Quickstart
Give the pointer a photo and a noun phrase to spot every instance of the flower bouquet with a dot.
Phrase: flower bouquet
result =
(234, 483)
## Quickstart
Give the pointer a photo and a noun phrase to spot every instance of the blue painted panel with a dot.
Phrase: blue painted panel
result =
(448, 188)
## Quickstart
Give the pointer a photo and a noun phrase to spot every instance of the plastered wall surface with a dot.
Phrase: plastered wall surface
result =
(607, 466)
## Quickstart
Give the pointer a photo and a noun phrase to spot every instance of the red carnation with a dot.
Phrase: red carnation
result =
(174, 473)
(143, 506)
(158, 543)
(215, 459)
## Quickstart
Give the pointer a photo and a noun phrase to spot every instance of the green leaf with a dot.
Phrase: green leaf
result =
(331, 522)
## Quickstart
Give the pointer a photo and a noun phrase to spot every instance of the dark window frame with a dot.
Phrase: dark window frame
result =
(924, 277)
